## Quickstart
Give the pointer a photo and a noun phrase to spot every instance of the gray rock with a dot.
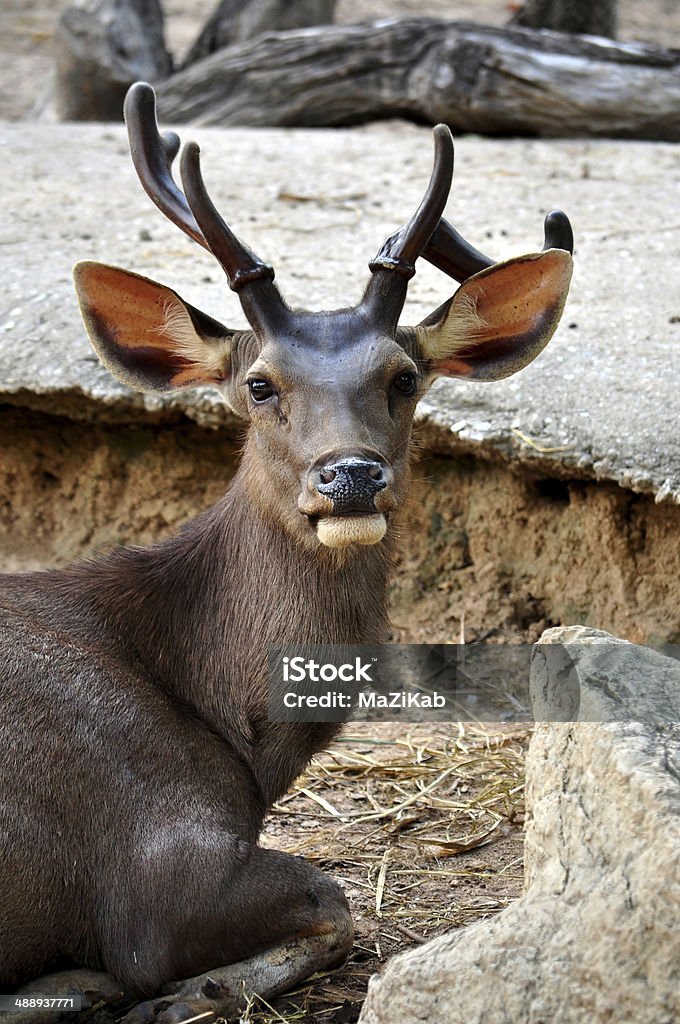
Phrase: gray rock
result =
(601, 402)
(586, 675)
(595, 936)
(100, 49)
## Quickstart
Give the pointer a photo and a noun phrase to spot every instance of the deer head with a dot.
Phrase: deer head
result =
(330, 396)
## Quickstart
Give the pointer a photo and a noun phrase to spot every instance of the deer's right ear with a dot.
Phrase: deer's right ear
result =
(146, 335)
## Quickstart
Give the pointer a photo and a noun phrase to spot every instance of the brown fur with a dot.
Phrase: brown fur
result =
(138, 759)
(141, 759)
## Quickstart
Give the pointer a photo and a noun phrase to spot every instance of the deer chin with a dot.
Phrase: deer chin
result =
(342, 531)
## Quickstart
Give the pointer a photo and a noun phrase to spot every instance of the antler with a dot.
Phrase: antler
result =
(153, 155)
(429, 235)
(448, 251)
(193, 210)
(394, 264)
(400, 251)
(240, 264)
(426, 234)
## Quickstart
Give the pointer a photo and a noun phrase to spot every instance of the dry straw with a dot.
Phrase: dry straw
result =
(421, 825)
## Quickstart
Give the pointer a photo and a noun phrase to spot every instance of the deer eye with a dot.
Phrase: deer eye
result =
(406, 383)
(260, 389)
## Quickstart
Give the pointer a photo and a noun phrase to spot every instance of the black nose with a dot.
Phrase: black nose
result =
(351, 484)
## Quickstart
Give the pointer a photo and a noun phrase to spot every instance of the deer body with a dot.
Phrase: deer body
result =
(128, 665)
(139, 761)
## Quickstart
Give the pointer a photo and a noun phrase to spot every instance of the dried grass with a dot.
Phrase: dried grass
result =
(421, 824)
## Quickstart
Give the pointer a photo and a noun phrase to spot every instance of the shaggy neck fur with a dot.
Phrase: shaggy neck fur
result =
(200, 611)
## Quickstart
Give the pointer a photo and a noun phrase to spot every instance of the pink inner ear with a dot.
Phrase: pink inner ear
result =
(513, 298)
(133, 307)
(501, 318)
(142, 331)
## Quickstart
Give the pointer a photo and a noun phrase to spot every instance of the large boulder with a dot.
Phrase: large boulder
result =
(595, 937)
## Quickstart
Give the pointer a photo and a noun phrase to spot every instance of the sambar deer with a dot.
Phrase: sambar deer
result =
(138, 760)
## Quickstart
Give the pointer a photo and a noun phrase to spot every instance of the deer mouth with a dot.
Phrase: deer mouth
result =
(344, 523)
(340, 531)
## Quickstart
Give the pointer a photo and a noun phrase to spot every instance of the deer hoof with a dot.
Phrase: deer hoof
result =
(167, 1011)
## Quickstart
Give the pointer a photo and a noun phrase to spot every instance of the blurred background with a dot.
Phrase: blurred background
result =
(28, 29)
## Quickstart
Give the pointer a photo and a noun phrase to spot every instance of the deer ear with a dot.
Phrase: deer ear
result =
(499, 319)
(146, 335)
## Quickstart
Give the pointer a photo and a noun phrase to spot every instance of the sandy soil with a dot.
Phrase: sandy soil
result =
(28, 26)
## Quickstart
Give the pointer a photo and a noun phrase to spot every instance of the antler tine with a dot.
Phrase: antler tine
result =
(448, 251)
(153, 155)
(400, 251)
(558, 232)
(193, 210)
(238, 262)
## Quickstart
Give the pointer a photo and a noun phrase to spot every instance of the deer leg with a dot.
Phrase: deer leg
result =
(289, 920)
(226, 990)
(92, 986)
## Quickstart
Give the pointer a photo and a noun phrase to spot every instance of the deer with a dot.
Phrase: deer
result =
(139, 761)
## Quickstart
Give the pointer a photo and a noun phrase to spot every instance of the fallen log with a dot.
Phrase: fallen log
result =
(475, 78)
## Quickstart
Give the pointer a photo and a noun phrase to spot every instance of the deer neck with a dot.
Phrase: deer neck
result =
(202, 610)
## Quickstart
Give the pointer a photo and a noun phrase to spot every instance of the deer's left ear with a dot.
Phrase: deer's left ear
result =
(498, 320)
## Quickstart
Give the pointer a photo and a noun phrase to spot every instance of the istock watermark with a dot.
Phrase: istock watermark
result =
(298, 670)
(483, 682)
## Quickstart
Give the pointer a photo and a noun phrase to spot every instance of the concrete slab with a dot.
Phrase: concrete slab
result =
(602, 402)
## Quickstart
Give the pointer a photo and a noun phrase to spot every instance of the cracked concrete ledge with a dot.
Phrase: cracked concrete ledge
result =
(602, 402)
(595, 936)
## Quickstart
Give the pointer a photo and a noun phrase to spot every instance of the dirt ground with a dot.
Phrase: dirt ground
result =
(28, 26)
